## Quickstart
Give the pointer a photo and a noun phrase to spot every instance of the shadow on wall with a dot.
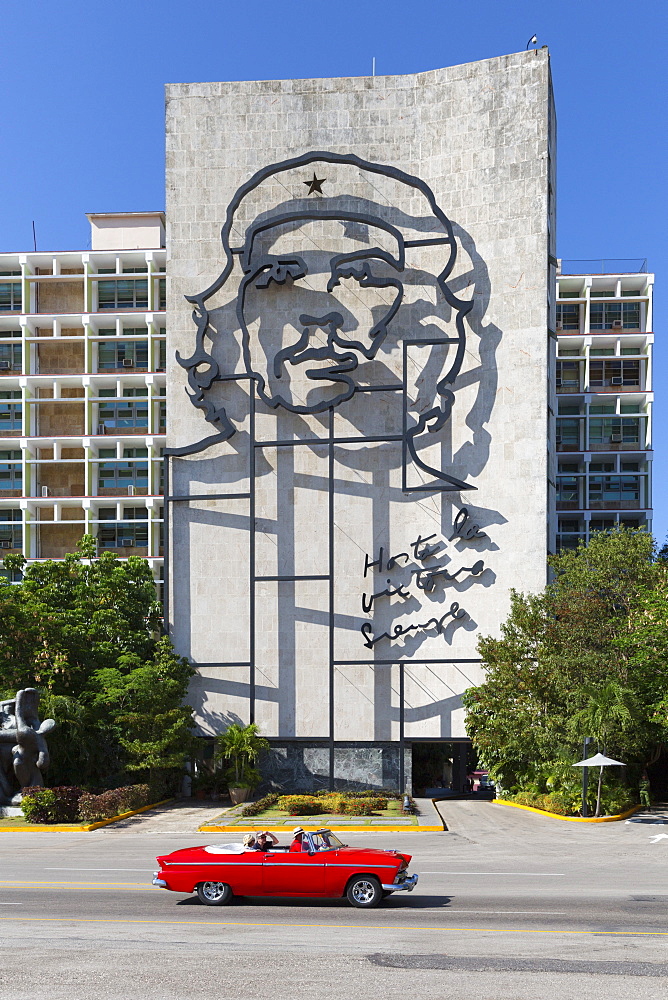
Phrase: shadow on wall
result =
(361, 470)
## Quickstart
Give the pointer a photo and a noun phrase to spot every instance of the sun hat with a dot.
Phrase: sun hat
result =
(297, 829)
(249, 839)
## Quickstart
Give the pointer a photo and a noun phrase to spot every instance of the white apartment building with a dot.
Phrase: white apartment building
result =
(82, 393)
(604, 397)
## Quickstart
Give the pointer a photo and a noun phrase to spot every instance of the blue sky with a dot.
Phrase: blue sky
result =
(81, 109)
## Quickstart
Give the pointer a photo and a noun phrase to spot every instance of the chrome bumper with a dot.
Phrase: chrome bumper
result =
(406, 886)
(159, 882)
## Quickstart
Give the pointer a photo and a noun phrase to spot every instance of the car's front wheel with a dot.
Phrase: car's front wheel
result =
(364, 891)
(214, 893)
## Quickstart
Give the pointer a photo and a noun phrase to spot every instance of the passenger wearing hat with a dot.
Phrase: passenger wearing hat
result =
(249, 842)
(298, 841)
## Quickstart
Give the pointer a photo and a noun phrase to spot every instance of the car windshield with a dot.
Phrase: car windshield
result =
(326, 841)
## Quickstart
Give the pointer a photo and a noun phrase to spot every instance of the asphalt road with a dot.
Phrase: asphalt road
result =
(509, 906)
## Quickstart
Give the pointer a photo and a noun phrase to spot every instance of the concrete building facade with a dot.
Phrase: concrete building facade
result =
(360, 445)
(604, 397)
(82, 393)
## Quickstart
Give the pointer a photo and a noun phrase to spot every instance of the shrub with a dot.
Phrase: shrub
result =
(255, 808)
(360, 807)
(51, 805)
(302, 805)
(93, 808)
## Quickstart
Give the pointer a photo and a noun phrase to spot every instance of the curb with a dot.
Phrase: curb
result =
(568, 819)
(210, 828)
(78, 827)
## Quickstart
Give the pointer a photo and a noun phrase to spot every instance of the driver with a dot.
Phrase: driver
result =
(299, 841)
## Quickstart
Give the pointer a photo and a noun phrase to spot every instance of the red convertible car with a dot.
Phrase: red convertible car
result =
(322, 867)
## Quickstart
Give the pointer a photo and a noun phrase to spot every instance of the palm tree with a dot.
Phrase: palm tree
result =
(609, 709)
(241, 745)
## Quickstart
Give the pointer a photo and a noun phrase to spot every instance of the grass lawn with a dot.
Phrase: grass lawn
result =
(276, 815)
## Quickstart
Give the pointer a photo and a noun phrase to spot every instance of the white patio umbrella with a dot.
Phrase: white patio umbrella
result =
(601, 761)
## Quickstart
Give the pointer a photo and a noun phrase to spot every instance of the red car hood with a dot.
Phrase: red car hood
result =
(365, 852)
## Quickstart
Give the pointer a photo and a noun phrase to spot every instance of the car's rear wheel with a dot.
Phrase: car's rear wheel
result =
(364, 891)
(214, 893)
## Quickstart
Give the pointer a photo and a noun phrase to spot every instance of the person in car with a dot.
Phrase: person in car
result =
(265, 840)
(298, 839)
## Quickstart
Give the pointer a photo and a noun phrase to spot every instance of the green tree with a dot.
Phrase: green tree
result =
(598, 621)
(85, 631)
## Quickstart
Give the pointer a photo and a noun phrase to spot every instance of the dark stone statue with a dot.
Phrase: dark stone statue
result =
(24, 754)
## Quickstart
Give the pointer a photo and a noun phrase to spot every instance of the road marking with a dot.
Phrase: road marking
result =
(279, 924)
(657, 837)
(527, 874)
(533, 913)
(34, 884)
(149, 870)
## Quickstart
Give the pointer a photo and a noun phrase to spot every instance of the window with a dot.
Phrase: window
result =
(614, 489)
(135, 514)
(603, 374)
(568, 408)
(615, 315)
(568, 490)
(568, 434)
(136, 270)
(569, 466)
(10, 296)
(632, 350)
(568, 375)
(630, 467)
(162, 355)
(135, 331)
(614, 430)
(122, 535)
(129, 354)
(122, 294)
(601, 352)
(11, 532)
(11, 473)
(162, 294)
(162, 418)
(10, 358)
(569, 524)
(10, 413)
(568, 316)
(602, 408)
(138, 391)
(601, 524)
(118, 474)
(121, 415)
(601, 466)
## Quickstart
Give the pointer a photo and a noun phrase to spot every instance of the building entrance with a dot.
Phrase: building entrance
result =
(442, 766)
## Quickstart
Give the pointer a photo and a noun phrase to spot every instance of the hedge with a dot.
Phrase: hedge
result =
(93, 808)
(51, 805)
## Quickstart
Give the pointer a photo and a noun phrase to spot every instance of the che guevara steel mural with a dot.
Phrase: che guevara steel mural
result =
(323, 254)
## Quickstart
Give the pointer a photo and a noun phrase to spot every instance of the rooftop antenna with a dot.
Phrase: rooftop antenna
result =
(532, 41)
(373, 66)
(34, 238)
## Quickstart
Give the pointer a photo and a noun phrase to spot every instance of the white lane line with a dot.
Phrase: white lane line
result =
(98, 870)
(11, 904)
(526, 874)
(533, 913)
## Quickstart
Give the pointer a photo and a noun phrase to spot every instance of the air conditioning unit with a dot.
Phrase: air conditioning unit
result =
(126, 543)
(102, 429)
(131, 491)
(616, 324)
(617, 380)
(560, 325)
(5, 545)
(4, 366)
(128, 363)
(46, 491)
(616, 438)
